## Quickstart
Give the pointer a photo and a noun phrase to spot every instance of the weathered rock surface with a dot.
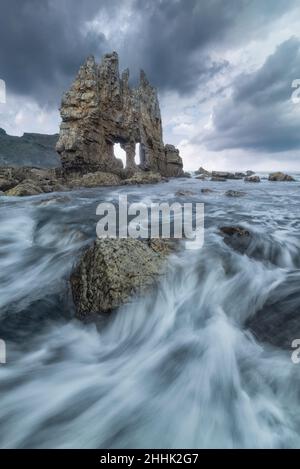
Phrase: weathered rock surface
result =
(112, 271)
(27, 187)
(280, 177)
(100, 110)
(250, 173)
(142, 177)
(99, 178)
(30, 181)
(252, 179)
(29, 150)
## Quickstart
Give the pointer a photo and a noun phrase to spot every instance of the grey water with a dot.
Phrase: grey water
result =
(177, 368)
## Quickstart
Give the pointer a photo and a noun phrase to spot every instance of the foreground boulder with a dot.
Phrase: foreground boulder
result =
(280, 177)
(111, 271)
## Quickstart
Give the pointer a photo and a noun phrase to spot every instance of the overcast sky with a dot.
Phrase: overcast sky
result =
(223, 69)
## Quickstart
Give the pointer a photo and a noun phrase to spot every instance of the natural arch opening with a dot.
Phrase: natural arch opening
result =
(137, 158)
(120, 153)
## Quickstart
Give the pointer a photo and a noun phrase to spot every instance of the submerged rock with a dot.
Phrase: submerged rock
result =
(236, 237)
(206, 190)
(218, 179)
(112, 271)
(184, 193)
(280, 177)
(277, 322)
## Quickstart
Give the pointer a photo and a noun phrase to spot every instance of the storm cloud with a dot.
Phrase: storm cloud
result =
(260, 115)
(223, 69)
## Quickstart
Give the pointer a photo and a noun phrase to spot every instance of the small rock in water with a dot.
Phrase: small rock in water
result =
(184, 193)
(205, 190)
(232, 193)
(280, 177)
(203, 172)
(236, 237)
(218, 179)
(252, 179)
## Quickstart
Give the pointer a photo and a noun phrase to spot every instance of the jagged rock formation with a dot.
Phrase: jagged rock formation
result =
(100, 110)
(31, 149)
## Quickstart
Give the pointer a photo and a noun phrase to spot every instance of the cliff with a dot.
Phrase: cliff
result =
(36, 150)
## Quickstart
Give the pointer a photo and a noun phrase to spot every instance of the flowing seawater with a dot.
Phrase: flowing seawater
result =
(177, 368)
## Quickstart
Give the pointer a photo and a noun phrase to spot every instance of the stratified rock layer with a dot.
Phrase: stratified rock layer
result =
(100, 110)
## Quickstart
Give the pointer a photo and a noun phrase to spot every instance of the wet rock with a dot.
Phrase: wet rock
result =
(25, 188)
(222, 175)
(239, 175)
(203, 172)
(207, 191)
(147, 177)
(185, 174)
(111, 272)
(280, 177)
(250, 173)
(232, 193)
(252, 179)
(218, 179)
(277, 322)
(236, 237)
(99, 178)
(201, 177)
(184, 193)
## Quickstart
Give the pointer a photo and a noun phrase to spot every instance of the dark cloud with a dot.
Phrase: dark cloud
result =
(260, 115)
(42, 44)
